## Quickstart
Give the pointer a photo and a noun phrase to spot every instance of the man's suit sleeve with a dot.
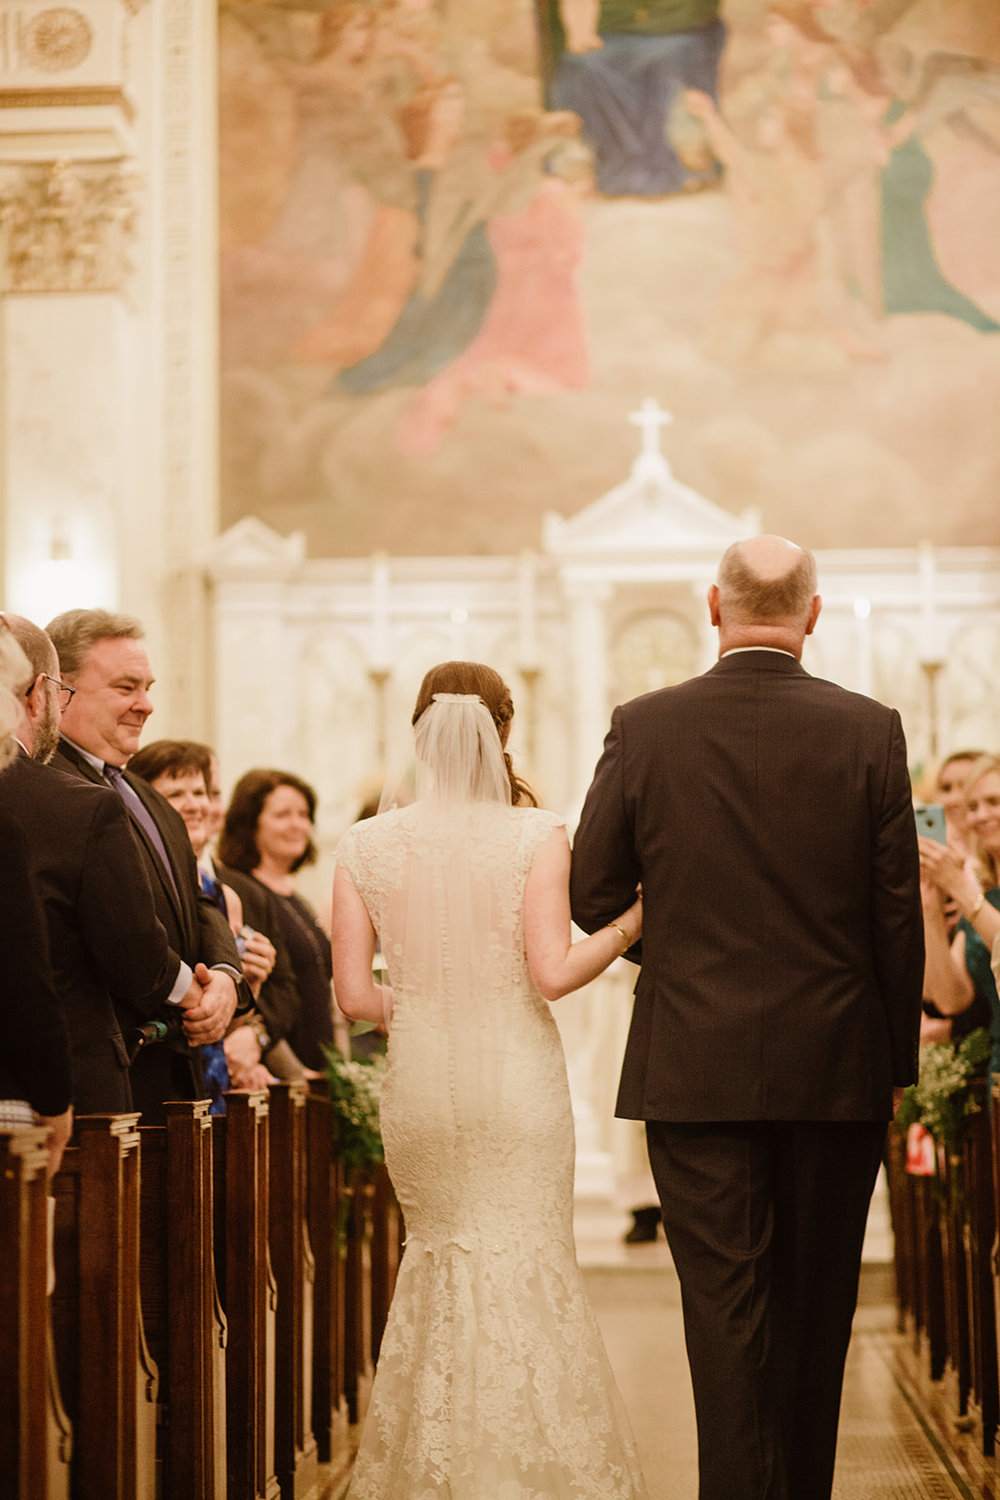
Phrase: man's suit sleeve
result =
(36, 1043)
(117, 915)
(214, 943)
(604, 872)
(897, 918)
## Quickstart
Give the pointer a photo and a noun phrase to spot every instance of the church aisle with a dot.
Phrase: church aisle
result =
(891, 1447)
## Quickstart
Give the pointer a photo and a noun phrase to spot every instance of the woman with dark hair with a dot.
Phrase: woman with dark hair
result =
(181, 771)
(267, 834)
(492, 1379)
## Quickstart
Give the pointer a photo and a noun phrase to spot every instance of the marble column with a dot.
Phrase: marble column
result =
(589, 646)
(107, 322)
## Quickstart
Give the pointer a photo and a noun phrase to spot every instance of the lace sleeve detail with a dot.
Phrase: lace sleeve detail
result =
(371, 855)
(346, 855)
(538, 824)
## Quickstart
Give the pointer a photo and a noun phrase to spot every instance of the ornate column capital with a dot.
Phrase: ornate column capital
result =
(66, 226)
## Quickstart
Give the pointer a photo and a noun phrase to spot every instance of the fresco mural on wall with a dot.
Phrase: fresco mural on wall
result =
(459, 243)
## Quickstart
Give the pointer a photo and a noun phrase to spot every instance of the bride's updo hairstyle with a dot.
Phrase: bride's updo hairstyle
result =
(489, 686)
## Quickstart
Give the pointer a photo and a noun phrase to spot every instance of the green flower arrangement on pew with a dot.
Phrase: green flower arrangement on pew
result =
(355, 1091)
(942, 1100)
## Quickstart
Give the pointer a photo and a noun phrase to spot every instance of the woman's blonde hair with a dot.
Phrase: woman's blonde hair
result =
(987, 865)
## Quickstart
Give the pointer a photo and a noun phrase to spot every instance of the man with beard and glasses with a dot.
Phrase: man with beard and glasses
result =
(111, 963)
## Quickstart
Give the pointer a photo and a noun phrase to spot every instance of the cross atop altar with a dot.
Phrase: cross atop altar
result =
(651, 518)
(650, 418)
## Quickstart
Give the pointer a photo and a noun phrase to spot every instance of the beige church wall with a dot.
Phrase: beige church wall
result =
(431, 374)
(108, 322)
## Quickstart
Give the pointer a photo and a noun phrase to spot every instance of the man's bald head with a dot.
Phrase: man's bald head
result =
(765, 594)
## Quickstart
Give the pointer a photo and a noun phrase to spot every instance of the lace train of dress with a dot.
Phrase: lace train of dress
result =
(492, 1381)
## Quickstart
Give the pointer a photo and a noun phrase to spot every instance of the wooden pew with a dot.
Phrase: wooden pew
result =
(35, 1434)
(324, 1202)
(979, 1218)
(183, 1319)
(295, 1451)
(108, 1378)
(387, 1239)
(248, 1291)
(901, 1208)
(358, 1370)
(955, 1275)
(932, 1289)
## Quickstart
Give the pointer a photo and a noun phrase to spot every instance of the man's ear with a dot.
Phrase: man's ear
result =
(34, 699)
(814, 609)
(713, 604)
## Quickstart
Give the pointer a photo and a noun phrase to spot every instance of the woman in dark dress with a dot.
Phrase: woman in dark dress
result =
(268, 835)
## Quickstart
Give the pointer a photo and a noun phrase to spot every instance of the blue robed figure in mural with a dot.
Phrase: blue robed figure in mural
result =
(619, 65)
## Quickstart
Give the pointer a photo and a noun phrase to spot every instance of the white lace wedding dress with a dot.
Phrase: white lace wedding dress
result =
(492, 1382)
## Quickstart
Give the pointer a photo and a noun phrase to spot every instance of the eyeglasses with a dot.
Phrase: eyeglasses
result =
(63, 690)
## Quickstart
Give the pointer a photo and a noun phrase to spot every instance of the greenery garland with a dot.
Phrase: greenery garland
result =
(355, 1091)
(942, 1100)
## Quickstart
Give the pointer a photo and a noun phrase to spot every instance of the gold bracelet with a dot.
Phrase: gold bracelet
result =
(977, 907)
(624, 935)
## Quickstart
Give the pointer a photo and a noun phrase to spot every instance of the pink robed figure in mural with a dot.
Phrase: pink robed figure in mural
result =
(534, 337)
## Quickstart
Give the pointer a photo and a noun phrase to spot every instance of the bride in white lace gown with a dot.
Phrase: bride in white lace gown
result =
(492, 1381)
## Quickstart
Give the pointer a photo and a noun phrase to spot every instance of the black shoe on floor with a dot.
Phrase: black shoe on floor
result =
(645, 1224)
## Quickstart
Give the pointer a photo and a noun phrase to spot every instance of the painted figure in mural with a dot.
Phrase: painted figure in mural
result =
(348, 197)
(434, 325)
(533, 339)
(913, 278)
(830, 197)
(840, 95)
(620, 65)
(774, 312)
(874, 101)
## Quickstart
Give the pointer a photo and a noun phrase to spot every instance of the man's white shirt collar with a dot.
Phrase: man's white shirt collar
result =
(94, 760)
(777, 650)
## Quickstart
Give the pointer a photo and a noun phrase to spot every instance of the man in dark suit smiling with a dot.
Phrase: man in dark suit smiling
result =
(109, 953)
(103, 657)
(767, 815)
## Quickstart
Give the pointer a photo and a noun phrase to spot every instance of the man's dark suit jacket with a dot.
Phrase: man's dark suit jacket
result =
(34, 1059)
(104, 937)
(102, 929)
(197, 932)
(768, 816)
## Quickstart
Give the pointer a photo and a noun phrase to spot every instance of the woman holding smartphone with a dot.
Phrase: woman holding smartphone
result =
(958, 963)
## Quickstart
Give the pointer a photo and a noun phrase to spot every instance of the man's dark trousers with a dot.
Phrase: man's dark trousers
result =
(765, 1223)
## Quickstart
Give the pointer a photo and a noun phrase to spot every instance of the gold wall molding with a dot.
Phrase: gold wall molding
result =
(56, 39)
(85, 96)
(67, 226)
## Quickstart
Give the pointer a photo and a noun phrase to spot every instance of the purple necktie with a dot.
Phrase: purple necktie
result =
(137, 808)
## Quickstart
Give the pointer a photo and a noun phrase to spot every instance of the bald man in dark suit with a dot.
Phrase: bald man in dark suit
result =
(767, 815)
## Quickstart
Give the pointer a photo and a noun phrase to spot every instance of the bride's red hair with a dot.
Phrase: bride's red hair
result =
(475, 677)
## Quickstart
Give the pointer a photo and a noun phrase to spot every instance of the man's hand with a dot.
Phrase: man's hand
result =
(208, 1020)
(897, 1099)
(60, 1128)
(258, 961)
(193, 996)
